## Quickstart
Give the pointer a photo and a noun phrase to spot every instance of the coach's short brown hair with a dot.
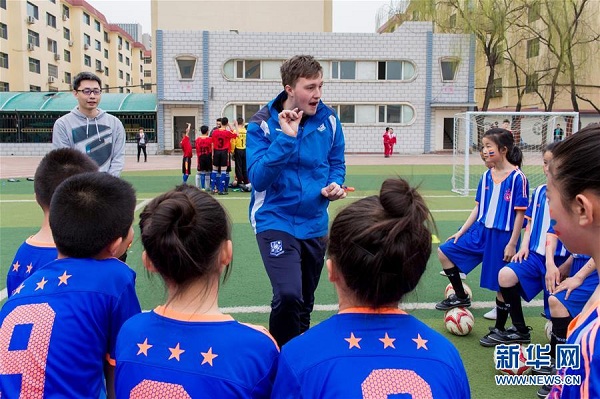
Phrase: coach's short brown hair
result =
(299, 66)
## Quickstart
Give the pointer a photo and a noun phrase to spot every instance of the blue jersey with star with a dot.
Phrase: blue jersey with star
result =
(357, 353)
(29, 257)
(172, 355)
(60, 327)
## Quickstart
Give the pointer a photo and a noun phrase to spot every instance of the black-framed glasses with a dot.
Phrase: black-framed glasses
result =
(87, 92)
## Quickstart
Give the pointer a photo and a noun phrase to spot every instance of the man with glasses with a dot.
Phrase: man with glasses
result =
(91, 130)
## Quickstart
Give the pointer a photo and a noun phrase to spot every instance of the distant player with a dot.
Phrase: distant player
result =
(186, 147)
(574, 199)
(378, 251)
(187, 348)
(59, 328)
(204, 148)
(241, 170)
(492, 231)
(40, 249)
(221, 144)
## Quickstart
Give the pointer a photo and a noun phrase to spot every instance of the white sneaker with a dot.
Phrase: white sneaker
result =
(462, 275)
(491, 315)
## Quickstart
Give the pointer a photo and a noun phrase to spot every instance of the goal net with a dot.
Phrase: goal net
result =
(531, 130)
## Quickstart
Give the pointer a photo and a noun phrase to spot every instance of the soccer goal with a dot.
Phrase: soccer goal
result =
(531, 130)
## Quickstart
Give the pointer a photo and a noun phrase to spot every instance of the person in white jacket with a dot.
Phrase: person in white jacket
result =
(91, 130)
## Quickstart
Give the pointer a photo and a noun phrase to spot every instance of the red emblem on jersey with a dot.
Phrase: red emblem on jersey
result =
(507, 195)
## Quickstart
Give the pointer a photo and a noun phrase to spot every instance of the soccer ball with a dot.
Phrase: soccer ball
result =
(521, 368)
(459, 321)
(450, 290)
(548, 329)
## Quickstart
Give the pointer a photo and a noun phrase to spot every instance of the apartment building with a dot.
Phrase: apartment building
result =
(45, 43)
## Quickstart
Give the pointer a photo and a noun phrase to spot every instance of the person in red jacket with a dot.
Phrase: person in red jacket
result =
(387, 143)
(186, 146)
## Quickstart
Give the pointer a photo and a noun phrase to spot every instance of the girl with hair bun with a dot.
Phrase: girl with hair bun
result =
(378, 250)
(187, 347)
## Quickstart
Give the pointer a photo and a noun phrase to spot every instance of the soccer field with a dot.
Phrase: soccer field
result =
(247, 293)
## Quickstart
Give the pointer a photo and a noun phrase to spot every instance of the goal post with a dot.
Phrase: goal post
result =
(532, 132)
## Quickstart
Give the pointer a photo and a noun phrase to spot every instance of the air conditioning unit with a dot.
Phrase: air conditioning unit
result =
(65, 17)
(70, 43)
(120, 47)
(86, 46)
(56, 56)
(51, 79)
(30, 46)
(30, 20)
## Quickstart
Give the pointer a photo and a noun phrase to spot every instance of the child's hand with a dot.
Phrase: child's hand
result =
(509, 251)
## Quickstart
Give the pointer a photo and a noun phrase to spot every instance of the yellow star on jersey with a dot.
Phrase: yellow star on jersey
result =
(175, 352)
(63, 279)
(18, 289)
(208, 357)
(353, 341)
(387, 341)
(16, 266)
(41, 284)
(144, 346)
(29, 267)
(421, 343)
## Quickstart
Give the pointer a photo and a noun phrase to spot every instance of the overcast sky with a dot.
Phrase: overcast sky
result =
(348, 15)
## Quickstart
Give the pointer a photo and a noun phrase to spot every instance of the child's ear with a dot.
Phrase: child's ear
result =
(226, 255)
(584, 209)
(148, 264)
(114, 249)
(332, 272)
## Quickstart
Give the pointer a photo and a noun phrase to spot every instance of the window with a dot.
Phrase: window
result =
(127, 61)
(4, 86)
(106, 53)
(3, 60)
(106, 71)
(343, 70)
(87, 60)
(497, 88)
(106, 38)
(186, 67)
(65, 11)
(147, 86)
(127, 45)
(52, 47)
(50, 20)
(247, 69)
(33, 38)
(87, 39)
(233, 111)
(3, 31)
(452, 21)
(147, 60)
(120, 74)
(533, 48)
(345, 113)
(34, 65)
(34, 88)
(86, 18)
(401, 113)
(68, 78)
(147, 73)
(53, 70)
(533, 14)
(120, 89)
(67, 55)
(127, 78)
(67, 33)
(120, 57)
(120, 41)
(531, 82)
(3, 6)
(97, 25)
(99, 65)
(395, 70)
(32, 10)
(97, 45)
(449, 68)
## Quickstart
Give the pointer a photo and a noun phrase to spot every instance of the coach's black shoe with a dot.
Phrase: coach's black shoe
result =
(512, 336)
(488, 339)
(544, 391)
(453, 302)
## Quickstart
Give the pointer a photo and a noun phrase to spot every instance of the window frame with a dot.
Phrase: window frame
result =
(449, 60)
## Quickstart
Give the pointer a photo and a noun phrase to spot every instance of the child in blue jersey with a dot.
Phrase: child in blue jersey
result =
(525, 274)
(574, 199)
(59, 328)
(492, 231)
(39, 249)
(378, 251)
(187, 347)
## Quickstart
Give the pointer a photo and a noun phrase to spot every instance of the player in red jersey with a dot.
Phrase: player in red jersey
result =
(204, 148)
(221, 144)
(186, 146)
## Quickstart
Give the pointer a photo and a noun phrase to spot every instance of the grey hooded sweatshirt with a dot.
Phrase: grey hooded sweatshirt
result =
(102, 138)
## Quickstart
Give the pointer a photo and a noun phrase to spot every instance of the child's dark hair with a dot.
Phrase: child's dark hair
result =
(549, 146)
(182, 232)
(576, 163)
(224, 121)
(504, 139)
(85, 76)
(203, 129)
(56, 167)
(381, 244)
(89, 211)
(299, 66)
(240, 121)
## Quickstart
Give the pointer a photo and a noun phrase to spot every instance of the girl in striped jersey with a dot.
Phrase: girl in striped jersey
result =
(574, 200)
(492, 231)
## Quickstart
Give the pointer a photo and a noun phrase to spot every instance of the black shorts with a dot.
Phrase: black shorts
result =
(205, 163)
(221, 158)
(186, 165)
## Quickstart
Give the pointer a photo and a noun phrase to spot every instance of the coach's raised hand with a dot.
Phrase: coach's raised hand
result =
(289, 120)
